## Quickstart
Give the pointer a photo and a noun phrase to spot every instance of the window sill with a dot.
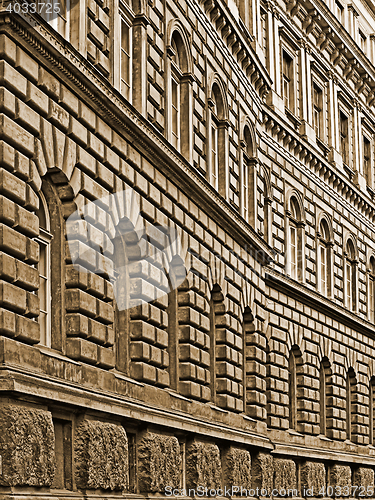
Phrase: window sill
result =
(293, 118)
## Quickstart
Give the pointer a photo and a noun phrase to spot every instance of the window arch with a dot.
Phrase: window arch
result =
(44, 269)
(371, 289)
(325, 382)
(218, 138)
(324, 258)
(179, 90)
(350, 275)
(295, 237)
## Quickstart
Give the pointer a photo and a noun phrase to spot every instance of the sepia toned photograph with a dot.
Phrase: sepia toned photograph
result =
(187, 249)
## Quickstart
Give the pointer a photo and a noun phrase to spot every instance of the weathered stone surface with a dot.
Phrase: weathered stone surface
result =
(159, 462)
(313, 476)
(364, 476)
(203, 466)
(101, 456)
(237, 467)
(341, 476)
(262, 471)
(26, 446)
(285, 474)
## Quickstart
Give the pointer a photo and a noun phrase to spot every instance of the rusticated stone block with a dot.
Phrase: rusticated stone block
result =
(340, 476)
(26, 446)
(237, 467)
(364, 476)
(159, 462)
(203, 466)
(262, 471)
(101, 456)
(313, 476)
(285, 474)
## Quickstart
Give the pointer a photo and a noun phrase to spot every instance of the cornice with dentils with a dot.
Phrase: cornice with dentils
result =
(345, 52)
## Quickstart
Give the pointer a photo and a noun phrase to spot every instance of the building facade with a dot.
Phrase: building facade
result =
(246, 130)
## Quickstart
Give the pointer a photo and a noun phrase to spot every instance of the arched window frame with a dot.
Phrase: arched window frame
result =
(295, 237)
(371, 289)
(350, 275)
(179, 90)
(217, 127)
(44, 268)
(324, 258)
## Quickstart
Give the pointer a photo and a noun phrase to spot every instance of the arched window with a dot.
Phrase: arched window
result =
(350, 410)
(295, 241)
(324, 259)
(180, 94)
(44, 269)
(350, 273)
(325, 380)
(371, 290)
(217, 140)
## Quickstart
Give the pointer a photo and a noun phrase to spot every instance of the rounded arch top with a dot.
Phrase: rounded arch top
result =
(350, 247)
(248, 138)
(295, 205)
(178, 37)
(325, 228)
(217, 96)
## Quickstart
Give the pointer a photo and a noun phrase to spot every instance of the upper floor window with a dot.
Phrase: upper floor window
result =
(44, 268)
(175, 97)
(367, 159)
(339, 11)
(217, 137)
(288, 93)
(126, 59)
(344, 136)
(317, 110)
(362, 41)
(324, 259)
(350, 272)
(371, 290)
(179, 95)
(56, 13)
